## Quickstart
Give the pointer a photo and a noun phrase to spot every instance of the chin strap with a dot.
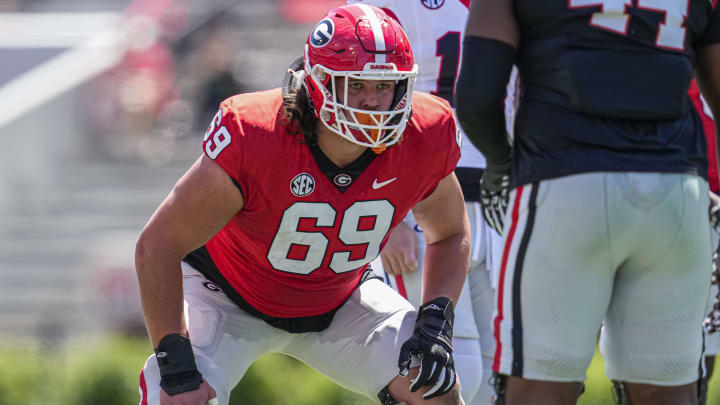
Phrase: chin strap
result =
(294, 77)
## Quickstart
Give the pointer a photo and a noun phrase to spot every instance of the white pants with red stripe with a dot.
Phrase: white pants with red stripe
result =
(473, 344)
(628, 251)
(359, 350)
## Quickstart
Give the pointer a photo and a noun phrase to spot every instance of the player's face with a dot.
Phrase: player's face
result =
(373, 95)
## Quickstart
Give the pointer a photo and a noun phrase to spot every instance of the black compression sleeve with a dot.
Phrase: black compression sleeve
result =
(480, 95)
(712, 30)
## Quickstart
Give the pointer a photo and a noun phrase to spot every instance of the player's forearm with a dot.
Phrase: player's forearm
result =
(161, 290)
(480, 95)
(445, 267)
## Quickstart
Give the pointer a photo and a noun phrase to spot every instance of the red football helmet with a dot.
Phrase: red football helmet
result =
(360, 42)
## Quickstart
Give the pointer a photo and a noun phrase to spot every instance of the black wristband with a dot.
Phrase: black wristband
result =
(435, 321)
(178, 371)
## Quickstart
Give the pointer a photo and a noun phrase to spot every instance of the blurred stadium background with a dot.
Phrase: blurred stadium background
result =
(102, 107)
(103, 104)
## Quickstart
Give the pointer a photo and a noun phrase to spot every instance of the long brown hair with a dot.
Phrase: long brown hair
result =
(297, 111)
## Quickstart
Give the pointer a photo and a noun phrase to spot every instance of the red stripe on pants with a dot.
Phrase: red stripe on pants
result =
(143, 388)
(401, 286)
(501, 282)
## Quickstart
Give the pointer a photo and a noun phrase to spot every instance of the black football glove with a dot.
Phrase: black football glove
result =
(432, 343)
(494, 193)
(714, 212)
(712, 320)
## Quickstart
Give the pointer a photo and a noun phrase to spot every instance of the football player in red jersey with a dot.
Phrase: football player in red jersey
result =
(263, 245)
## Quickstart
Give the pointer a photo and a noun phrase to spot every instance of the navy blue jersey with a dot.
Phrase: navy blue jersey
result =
(605, 86)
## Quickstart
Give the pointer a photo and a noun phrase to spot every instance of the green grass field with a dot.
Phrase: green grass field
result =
(106, 372)
(597, 386)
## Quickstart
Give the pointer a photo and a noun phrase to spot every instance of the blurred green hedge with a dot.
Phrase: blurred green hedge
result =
(106, 372)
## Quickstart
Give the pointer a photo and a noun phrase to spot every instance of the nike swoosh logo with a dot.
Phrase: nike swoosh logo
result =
(377, 185)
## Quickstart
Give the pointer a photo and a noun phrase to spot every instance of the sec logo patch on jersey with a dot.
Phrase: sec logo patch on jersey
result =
(302, 185)
(433, 4)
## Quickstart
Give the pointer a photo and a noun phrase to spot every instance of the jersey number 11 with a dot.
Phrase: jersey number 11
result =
(613, 17)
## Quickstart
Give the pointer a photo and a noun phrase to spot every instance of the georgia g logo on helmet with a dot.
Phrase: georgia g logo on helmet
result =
(322, 33)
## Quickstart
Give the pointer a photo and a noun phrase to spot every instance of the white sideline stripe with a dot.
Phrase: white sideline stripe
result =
(52, 30)
(377, 32)
(46, 81)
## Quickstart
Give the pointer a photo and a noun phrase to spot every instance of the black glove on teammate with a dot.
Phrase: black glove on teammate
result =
(432, 342)
(712, 320)
(494, 186)
(714, 212)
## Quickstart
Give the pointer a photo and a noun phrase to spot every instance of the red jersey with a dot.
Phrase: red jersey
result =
(709, 128)
(302, 241)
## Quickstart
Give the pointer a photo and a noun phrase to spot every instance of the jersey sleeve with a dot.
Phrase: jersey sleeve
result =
(455, 146)
(450, 142)
(712, 30)
(223, 142)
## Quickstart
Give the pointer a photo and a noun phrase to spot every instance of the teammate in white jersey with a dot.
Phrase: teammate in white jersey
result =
(435, 29)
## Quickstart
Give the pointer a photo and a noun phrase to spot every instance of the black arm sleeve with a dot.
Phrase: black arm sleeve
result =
(712, 31)
(480, 95)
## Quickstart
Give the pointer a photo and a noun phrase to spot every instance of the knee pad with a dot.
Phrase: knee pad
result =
(386, 397)
(620, 393)
(498, 382)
